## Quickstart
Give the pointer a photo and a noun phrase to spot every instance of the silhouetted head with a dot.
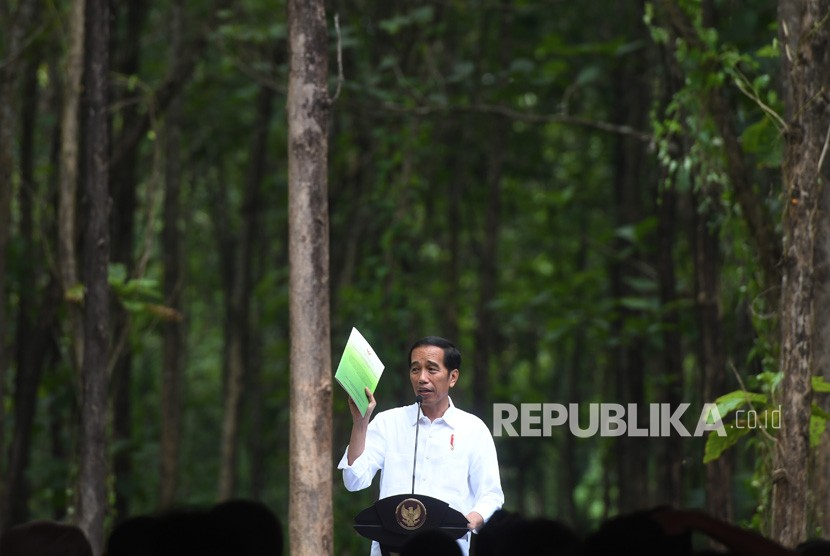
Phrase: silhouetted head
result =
(814, 547)
(257, 527)
(135, 536)
(507, 533)
(635, 533)
(44, 538)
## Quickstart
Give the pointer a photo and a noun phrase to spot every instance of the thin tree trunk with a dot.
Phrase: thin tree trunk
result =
(241, 297)
(711, 354)
(124, 184)
(455, 218)
(310, 444)
(256, 447)
(820, 512)
(32, 335)
(14, 26)
(70, 162)
(804, 36)
(253, 339)
(174, 332)
(93, 470)
(631, 109)
(485, 335)
(569, 474)
(819, 503)
(671, 462)
(27, 378)
(485, 331)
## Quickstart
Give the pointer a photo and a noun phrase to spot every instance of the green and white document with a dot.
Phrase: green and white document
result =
(359, 368)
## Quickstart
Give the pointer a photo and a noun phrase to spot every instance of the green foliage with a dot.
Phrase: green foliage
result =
(763, 415)
(440, 102)
(418, 16)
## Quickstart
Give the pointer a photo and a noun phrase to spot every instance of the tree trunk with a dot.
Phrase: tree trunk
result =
(93, 470)
(173, 281)
(631, 105)
(27, 378)
(711, 354)
(70, 162)
(252, 234)
(486, 336)
(670, 465)
(820, 510)
(33, 336)
(310, 444)
(455, 218)
(124, 184)
(485, 331)
(241, 291)
(9, 71)
(804, 36)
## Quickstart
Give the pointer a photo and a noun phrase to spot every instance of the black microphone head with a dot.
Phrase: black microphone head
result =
(419, 398)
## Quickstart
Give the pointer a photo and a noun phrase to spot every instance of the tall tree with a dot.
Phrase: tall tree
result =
(173, 282)
(15, 20)
(821, 471)
(308, 254)
(803, 35)
(486, 329)
(14, 24)
(241, 292)
(631, 105)
(69, 170)
(820, 480)
(711, 354)
(92, 477)
(124, 184)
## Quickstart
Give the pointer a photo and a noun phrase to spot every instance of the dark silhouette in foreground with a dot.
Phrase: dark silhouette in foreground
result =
(44, 538)
(433, 542)
(508, 533)
(230, 528)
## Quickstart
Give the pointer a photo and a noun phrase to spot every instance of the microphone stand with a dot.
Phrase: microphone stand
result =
(418, 400)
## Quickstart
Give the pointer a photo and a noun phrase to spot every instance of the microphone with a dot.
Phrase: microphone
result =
(418, 399)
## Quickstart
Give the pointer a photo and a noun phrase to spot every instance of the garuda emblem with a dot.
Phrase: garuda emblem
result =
(411, 514)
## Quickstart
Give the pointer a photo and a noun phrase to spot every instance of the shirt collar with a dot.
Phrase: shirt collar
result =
(449, 416)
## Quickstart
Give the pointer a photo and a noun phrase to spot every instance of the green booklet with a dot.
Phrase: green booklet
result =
(359, 368)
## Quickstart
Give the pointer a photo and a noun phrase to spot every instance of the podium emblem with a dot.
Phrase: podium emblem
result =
(411, 514)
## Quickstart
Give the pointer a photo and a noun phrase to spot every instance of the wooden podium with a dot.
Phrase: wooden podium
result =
(391, 521)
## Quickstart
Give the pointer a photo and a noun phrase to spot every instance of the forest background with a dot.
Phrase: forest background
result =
(602, 201)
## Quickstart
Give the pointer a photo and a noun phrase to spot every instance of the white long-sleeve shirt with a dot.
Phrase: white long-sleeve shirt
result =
(456, 461)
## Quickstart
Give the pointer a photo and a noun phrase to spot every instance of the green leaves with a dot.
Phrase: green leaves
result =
(762, 415)
(417, 16)
(737, 399)
(717, 444)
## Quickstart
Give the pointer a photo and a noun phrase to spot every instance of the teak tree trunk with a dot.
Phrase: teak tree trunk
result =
(69, 171)
(804, 36)
(93, 470)
(14, 34)
(173, 349)
(310, 511)
(123, 231)
(241, 290)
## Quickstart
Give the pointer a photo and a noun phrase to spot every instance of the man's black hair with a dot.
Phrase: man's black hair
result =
(452, 357)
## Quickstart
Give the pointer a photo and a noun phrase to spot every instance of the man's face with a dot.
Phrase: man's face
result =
(430, 378)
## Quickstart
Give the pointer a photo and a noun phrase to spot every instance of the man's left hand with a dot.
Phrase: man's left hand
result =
(474, 521)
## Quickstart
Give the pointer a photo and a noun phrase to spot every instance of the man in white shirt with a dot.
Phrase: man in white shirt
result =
(457, 460)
